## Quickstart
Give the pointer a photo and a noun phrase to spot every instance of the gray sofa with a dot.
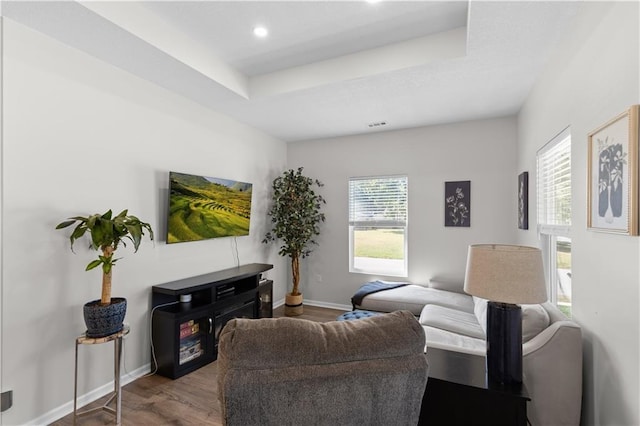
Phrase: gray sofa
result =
(289, 371)
(455, 324)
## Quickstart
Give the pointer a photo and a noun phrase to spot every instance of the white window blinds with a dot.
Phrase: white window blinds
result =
(378, 201)
(554, 182)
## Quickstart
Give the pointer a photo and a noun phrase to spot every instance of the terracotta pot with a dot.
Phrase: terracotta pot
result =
(293, 305)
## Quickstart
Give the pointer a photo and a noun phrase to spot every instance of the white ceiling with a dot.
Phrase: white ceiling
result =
(304, 32)
(327, 68)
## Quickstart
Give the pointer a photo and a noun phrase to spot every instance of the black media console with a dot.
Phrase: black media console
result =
(185, 334)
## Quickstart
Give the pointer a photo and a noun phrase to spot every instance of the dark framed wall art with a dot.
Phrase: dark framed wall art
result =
(523, 200)
(457, 203)
(613, 175)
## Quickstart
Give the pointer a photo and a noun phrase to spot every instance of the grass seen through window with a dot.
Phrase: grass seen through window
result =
(379, 243)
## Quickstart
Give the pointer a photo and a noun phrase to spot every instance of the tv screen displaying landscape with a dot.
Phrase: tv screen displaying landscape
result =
(202, 207)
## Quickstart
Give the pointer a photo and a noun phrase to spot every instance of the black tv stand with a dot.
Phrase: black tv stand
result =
(185, 334)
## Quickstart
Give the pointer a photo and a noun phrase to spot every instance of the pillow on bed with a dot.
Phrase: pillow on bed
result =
(535, 318)
(480, 309)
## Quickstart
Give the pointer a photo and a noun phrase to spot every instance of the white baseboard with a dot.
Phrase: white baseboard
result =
(67, 408)
(337, 306)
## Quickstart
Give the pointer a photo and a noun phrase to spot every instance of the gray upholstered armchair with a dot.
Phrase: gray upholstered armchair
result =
(288, 371)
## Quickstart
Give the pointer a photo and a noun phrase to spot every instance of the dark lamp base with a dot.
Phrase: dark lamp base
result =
(504, 343)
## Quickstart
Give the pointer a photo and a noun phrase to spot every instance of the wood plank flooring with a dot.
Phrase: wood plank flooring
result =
(189, 400)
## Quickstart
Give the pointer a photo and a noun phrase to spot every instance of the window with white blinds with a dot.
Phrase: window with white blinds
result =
(554, 182)
(554, 217)
(378, 225)
(378, 201)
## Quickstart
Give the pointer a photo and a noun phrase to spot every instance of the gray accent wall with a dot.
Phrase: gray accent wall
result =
(483, 152)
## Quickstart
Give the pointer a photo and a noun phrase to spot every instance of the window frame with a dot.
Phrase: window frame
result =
(354, 225)
(548, 246)
(548, 233)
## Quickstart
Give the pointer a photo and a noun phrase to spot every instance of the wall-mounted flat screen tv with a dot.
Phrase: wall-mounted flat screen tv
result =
(202, 207)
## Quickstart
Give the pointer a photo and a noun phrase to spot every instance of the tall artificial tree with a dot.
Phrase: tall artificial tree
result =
(295, 217)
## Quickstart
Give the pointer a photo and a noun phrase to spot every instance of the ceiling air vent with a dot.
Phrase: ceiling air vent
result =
(377, 124)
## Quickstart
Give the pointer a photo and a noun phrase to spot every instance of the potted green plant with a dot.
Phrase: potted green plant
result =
(105, 316)
(295, 217)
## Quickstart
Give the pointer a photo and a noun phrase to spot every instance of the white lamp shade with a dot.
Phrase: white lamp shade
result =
(505, 273)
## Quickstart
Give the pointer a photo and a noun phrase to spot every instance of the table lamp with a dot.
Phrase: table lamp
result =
(505, 275)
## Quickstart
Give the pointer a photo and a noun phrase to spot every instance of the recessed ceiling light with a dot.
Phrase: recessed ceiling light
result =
(373, 1)
(260, 31)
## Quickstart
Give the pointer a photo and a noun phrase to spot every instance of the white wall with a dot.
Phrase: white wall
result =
(80, 137)
(592, 78)
(62, 108)
(2, 389)
(483, 152)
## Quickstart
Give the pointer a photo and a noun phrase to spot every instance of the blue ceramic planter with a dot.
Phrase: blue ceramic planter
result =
(105, 320)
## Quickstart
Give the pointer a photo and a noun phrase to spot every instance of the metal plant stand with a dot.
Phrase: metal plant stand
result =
(116, 395)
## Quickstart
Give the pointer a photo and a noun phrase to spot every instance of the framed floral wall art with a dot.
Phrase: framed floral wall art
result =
(613, 175)
(457, 203)
(523, 200)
